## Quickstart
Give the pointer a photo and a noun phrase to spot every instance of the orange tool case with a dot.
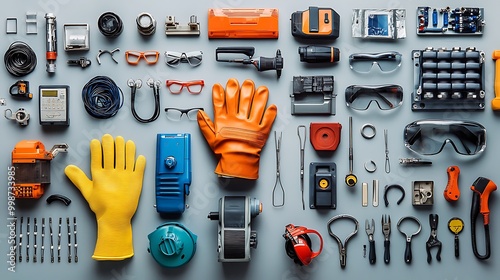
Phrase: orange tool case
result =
(243, 23)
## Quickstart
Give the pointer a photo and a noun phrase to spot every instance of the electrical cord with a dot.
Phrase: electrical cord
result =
(156, 93)
(19, 59)
(101, 97)
(110, 24)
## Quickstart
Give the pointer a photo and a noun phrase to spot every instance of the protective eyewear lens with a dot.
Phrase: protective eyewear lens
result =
(387, 97)
(428, 137)
(194, 58)
(386, 61)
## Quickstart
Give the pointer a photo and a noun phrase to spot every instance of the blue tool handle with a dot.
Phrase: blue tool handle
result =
(371, 256)
(387, 253)
(408, 252)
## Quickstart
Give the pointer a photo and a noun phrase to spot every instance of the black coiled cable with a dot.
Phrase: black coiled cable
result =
(102, 98)
(156, 113)
(110, 24)
(19, 59)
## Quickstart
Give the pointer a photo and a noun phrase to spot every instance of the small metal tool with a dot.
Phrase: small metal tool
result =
(108, 52)
(76, 243)
(277, 143)
(414, 162)
(35, 233)
(43, 238)
(433, 241)
(69, 239)
(21, 240)
(82, 62)
(28, 240)
(364, 194)
(370, 229)
(51, 241)
(456, 225)
(59, 241)
(351, 179)
(343, 247)
(375, 193)
(301, 132)
(386, 230)
(387, 162)
(408, 255)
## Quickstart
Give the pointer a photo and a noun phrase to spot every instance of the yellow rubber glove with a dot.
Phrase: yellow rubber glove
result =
(112, 194)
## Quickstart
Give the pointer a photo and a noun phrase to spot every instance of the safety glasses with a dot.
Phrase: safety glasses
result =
(428, 137)
(175, 58)
(194, 87)
(364, 62)
(133, 57)
(387, 97)
(175, 114)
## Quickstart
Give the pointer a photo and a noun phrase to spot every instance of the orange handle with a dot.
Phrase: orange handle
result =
(485, 210)
(451, 192)
(495, 102)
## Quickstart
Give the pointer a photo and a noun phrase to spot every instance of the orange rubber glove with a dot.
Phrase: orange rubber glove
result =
(112, 194)
(240, 129)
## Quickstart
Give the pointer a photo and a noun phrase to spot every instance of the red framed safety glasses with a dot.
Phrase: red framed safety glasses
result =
(133, 57)
(194, 87)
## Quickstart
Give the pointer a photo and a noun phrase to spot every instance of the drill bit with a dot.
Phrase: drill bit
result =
(43, 237)
(69, 239)
(35, 233)
(21, 240)
(28, 240)
(76, 243)
(51, 241)
(59, 242)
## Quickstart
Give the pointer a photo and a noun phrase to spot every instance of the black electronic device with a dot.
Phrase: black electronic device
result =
(316, 23)
(54, 105)
(322, 185)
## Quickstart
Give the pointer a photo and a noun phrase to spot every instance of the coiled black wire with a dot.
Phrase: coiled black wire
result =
(19, 59)
(156, 113)
(110, 24)
(101, 97)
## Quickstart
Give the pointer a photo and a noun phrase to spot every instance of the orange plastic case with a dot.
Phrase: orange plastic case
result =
(243, 23)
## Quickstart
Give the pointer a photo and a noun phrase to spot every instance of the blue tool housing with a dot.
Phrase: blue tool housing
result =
(173, 172)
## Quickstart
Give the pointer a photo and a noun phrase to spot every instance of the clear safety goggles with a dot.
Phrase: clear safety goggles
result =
(364, 62)
(193, 58)
(428, 137)
(386, 96)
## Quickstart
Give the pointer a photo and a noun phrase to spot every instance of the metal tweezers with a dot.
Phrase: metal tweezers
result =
(277, 142)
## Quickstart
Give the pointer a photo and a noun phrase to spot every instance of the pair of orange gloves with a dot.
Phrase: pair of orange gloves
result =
(240, 129)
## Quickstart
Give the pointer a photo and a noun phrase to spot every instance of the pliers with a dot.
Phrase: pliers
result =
(433, 241)
(370, 229)
(482, 188)
(386, 230)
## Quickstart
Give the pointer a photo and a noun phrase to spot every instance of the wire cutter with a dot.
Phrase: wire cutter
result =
(370, 229)
(482, 188)
(343, 247)
(433, 241)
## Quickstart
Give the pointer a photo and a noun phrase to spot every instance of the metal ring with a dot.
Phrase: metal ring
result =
(374, 166)
(363, 131)
(409, 218)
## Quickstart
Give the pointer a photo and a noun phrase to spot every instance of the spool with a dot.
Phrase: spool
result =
(325, 136)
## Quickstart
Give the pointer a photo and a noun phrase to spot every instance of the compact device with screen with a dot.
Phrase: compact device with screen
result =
(54, 105)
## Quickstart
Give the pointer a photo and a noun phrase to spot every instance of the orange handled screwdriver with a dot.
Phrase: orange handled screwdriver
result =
(482, 188)
(451, 192)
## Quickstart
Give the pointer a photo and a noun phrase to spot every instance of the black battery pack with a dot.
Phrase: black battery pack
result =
(316, 23)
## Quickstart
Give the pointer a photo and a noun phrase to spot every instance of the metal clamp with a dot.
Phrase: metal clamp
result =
(313, 95)
(174, 28)
(20, 116)
(109, 52)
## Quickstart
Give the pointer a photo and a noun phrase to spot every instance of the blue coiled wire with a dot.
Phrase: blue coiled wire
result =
(102, 98)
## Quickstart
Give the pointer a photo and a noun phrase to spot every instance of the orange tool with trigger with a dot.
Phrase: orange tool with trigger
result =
(482, 189)
(451, 192)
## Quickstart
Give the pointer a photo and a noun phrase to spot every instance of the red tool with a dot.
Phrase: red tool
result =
(451, 192)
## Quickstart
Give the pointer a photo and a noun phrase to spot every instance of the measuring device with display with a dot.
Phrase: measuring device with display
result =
(54, 105)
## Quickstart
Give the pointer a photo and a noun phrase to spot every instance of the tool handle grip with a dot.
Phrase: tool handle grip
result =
(371, 256)
(457, 247)
(496, 56)
(387, 252)
(452, 192)
(408, 255)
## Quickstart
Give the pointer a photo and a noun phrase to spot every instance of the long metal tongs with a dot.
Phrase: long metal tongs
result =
(301, 132)
(277, 202)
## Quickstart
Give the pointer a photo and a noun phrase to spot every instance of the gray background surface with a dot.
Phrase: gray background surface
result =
(269, 260)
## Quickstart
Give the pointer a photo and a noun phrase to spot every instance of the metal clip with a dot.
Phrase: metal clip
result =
(174, 28)
(110, 53)
(20, 116)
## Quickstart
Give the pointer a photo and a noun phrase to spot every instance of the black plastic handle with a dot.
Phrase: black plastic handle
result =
(371, 256)
(387, 253)
(457, 247)
(408, 252)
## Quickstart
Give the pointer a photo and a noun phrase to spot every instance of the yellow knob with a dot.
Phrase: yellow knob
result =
(351, 180)
(323, 183)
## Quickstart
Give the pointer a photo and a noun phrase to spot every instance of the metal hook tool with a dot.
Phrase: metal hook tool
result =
(109, 52)
(343, 247)
(301, 132)
(277, 142)
(387, 162)
(408, 255)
